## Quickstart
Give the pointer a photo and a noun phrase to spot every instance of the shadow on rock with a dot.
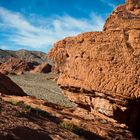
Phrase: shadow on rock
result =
(25, 133)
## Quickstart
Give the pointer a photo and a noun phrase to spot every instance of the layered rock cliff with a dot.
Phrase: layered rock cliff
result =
(100, 70)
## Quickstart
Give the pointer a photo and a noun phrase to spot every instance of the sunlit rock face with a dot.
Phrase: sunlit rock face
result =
(132, 5)
(100, 71)
(126, 17)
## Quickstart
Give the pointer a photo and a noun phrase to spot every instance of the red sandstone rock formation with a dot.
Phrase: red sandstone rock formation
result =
(101, 69)
(8, 87)
(125, 17)
(16, 66)
(42, 68)
(133, 5)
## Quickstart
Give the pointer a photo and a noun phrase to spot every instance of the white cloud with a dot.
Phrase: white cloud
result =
(25, 33)
(108, 3)
(3, 47)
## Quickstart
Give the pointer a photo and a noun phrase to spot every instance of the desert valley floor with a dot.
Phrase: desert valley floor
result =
(42, 86)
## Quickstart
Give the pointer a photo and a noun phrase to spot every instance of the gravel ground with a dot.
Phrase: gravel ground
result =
(41, 86)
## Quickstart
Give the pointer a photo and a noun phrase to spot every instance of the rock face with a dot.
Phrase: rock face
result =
(133, 5)
(125, 17)
(16, 66)
(100, 70)
(8, 87)
(42, 68)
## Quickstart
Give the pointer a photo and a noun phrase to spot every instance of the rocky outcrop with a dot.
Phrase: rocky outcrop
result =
(58, 54)
(42, 68)
(125, 17)
(16, 66)
(100, 70)
(8, 87)
(133, 5)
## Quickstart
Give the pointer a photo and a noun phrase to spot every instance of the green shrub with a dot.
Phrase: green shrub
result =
(20, 103)
(13, 102)
(71, 127)
(36, 110)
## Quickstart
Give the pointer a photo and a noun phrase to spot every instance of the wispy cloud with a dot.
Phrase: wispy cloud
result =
(23, 32)
(108, 3)
(3, 47)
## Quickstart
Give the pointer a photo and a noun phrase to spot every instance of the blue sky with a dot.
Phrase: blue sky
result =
(38, 24)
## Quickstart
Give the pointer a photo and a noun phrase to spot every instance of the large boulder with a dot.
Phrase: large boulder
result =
(100, 70)
(42, 68)
(8, 87)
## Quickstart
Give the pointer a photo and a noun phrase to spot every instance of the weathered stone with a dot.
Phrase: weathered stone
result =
(132, 4)
(125, 17)
(100, 70)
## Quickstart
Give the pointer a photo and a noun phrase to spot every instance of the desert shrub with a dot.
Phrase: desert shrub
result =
(36, 110)
(77, 130)
(71, 127)
(20, 103)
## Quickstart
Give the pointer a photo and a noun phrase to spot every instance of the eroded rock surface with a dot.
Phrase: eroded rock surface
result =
(90, 126)
(19, 123)
(100, 70)
(125, 17)
(133, 5)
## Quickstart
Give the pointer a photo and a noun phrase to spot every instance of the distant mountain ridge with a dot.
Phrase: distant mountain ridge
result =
(36, 56)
